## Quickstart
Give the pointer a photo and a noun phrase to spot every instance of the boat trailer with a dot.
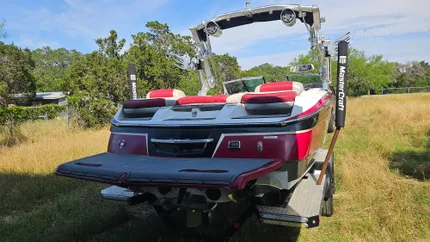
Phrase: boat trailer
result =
(302, 208)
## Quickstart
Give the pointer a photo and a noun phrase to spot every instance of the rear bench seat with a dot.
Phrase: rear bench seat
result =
(269, 98)
(140, 108)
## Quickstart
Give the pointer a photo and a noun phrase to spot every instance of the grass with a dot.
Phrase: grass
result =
(382, 187)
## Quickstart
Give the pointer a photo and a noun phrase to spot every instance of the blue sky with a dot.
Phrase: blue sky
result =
(400, 30)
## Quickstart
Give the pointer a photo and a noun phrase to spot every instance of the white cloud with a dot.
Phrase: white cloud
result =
(377, 27)
(365, 19)
(399, 49)
(35, 41)
(86, 20)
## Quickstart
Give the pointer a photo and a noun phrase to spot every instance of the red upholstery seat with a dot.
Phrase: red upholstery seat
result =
(142, 108)
(145, 103)
(280, 87)
(262, 98)
(165, 93)
(189, 100)
(276, 86)
(269, 103)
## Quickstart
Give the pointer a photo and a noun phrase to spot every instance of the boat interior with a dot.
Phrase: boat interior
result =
(267, 99)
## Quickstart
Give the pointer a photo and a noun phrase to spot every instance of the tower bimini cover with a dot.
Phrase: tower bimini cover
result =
(287, 14)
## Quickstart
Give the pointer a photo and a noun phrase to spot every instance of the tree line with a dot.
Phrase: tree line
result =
(96, 82)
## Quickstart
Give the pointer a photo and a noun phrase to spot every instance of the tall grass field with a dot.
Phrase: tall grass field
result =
(382, 169)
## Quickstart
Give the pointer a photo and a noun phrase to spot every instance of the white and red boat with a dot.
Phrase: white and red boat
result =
(210, 155)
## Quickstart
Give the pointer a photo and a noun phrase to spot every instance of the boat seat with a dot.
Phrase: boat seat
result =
(236, 98)
(165, 93)
(170, 95)
(280, 87)
(140, 108)
(202, 100)
(269, 103)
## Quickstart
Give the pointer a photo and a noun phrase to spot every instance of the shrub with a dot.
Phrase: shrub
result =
(91, 112)
(11, 119)
(17, 114)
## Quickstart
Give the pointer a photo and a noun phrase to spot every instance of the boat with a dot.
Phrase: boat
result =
(204, 159)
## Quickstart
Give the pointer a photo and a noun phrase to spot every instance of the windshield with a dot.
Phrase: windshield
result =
(305, 79)
(246, 84)
(309, 81)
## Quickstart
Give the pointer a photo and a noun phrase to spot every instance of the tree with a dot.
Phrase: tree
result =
(16, 66)
(149, 51)
(97, 82)
(270, 72)
(3, 34)
(51, 66)
(226, 68)
(367, 73)
(312, 57)
(412, 74)
(110, 46)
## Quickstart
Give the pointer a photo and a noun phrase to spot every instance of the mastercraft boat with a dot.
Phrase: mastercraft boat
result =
(205, 156)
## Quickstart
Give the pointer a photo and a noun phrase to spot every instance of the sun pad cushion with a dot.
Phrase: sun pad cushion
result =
(263, 98)
(201, 99)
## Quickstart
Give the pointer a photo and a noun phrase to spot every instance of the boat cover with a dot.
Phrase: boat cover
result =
(135, 169)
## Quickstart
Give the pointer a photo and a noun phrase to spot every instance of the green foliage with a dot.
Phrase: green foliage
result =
(91, 112)
(51, 66)
(226, 69)
(367, 73)
(189, 83)
(16, 66)
(413, 74)
(96, 82)
(312, 57)
(270, 72)
(12, 117)
(18, 114)
(110, 46)
(149, 52)
(3, 34)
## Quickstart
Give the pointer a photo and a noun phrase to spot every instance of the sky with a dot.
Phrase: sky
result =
(399, 30)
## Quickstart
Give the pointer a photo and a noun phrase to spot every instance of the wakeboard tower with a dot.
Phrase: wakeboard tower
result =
(211, 161)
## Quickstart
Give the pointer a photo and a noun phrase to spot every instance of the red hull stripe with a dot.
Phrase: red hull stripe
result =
(276, 86)
(201, 99)
(161, 93)
(145, 103)
(242, 179)
(275, 146)
(264, 98)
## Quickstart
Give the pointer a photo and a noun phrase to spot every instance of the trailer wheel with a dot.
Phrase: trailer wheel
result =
(332, 123)
(326, 208)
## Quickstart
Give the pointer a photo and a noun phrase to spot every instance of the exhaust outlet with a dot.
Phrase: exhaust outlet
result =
(164, 190)
(213, 194)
